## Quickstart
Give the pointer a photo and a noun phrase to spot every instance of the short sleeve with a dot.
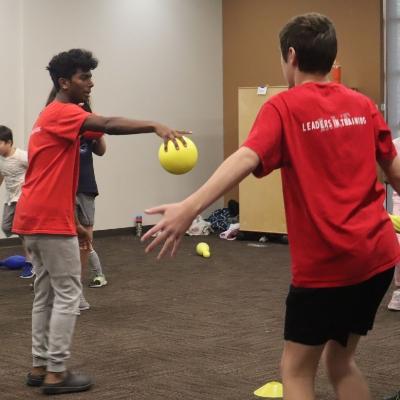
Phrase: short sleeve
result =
(92, 135)
(384, 147)
(265, 139)
(69, 121)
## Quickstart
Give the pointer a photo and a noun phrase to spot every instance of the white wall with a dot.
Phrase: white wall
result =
(159, 60)
(11, 106)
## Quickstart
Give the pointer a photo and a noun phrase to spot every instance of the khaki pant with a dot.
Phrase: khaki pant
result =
(57, 290)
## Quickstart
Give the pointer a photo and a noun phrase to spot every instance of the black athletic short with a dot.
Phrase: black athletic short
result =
(316, 315)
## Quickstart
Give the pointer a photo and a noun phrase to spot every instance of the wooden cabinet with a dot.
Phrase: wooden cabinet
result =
(261, 200)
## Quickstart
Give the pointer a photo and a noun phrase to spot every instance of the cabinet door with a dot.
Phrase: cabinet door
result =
(261, 200)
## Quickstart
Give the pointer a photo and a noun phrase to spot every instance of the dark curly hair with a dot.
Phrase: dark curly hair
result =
(313, 37)
(67, 63)
(6, 134)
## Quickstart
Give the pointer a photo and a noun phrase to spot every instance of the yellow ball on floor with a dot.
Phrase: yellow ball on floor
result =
(178, 161)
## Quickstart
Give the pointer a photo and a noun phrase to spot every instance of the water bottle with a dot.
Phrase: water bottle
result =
(138, 225)
(336, 72)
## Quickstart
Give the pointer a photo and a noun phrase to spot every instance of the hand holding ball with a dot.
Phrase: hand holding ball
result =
(178, 161)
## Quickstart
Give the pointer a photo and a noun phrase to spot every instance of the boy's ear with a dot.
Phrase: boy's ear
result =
(64, 83)
(292, 57)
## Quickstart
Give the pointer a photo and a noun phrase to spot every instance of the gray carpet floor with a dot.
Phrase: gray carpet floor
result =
(184, 328)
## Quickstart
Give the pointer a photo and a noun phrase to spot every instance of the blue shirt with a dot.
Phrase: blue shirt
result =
(87, 180)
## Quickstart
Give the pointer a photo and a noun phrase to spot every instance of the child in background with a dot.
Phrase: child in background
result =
(13, 165)
(85, 205)
(86, 194)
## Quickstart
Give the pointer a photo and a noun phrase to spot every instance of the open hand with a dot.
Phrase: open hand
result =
(176, 220)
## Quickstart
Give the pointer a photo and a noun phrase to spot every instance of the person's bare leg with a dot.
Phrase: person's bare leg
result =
(84, 257)
(343, 372)
(298, 368)
(85, 253)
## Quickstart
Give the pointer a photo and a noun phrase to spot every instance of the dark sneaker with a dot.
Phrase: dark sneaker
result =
(35, 380)
(70, 384)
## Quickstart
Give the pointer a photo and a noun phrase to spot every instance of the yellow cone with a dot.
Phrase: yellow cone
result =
(272, 390)
(203, 249)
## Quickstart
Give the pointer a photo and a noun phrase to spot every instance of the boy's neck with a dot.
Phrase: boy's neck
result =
(62, 97)
(304, 77)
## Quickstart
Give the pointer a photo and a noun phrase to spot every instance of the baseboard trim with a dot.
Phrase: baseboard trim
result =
(113, 232)
(119, 231)
(15, 241)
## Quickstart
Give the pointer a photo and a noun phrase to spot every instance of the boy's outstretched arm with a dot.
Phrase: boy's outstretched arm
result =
(125, 126)
(177, 217)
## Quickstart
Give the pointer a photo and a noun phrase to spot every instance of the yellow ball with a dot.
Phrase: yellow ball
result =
(178, 161)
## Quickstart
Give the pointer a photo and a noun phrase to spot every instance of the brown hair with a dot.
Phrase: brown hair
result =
(313, 37)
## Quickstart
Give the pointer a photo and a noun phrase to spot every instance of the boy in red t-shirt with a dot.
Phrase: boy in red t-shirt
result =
(326, 139)
(45, 215)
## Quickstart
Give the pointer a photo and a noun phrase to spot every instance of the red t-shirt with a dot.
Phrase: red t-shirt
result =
(47, 202)
(326, 139)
